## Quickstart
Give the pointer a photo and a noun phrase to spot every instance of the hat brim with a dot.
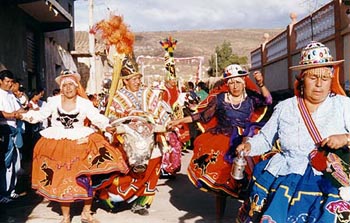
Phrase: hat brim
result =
(76, 76)
(130, 76)
(314, 65)
(243, 74)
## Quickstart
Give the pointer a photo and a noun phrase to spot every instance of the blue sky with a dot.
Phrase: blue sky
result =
(163, 15)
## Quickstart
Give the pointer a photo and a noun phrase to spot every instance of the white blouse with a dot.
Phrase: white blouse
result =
(67, 125)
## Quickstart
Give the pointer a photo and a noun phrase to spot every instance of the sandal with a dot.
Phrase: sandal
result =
(86, 217)
(65, 220)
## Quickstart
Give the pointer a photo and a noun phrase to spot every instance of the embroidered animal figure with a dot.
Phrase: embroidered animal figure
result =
(103, 155)
(343, 216)
(255, 208)
(48, 175)
(203, 161)
(67, 120)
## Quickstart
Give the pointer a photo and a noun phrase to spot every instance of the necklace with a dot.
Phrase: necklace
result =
(239, 105)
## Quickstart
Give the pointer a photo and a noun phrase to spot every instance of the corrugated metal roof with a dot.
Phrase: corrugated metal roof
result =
(82, 43)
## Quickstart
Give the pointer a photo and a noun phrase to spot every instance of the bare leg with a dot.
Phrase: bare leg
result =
(65, 207)
(86, 216)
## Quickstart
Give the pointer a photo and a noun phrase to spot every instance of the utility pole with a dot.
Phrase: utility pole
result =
(216, 65)
(92, 77)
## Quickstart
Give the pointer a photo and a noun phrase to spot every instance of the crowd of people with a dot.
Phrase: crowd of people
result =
(79, 152)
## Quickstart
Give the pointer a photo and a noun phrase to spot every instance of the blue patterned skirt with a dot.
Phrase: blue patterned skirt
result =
(292, 198)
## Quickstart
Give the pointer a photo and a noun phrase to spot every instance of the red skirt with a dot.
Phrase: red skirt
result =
(62, 169)
(207, 169)
(131, 186)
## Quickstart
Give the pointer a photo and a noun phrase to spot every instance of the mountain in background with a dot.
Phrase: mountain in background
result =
(192, 43)
(202, 42)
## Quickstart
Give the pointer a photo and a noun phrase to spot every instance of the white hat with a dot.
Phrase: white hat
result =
(67, 73)
(234, 70)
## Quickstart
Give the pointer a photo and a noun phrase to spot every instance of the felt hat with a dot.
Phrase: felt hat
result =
(68, 73)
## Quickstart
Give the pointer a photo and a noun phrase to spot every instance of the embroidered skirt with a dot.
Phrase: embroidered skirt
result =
(131, 186)
(208, 169)
(62, 169)
(292, 198)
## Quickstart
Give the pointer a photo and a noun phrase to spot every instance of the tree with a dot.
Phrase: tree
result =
(223, 57)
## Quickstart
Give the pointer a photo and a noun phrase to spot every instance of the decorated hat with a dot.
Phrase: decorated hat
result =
(234, 70)
(129, 68)
(315, 54)
(67, 73)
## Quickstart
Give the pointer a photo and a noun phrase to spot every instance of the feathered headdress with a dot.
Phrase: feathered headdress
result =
(119, 44)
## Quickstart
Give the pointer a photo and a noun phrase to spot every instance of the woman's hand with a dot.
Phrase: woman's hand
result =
(244, 147)
(111, 130)
(172, 124)
(335, 141)
(259, 78)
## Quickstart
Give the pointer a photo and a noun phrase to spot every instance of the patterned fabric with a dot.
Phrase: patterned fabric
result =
(130, 187)
(143, 102)
(62, 168)
(287, 182)
(307, 198)
(338, 159)
(209, 168)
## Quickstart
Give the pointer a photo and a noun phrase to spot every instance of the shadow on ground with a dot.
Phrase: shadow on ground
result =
(196, 203)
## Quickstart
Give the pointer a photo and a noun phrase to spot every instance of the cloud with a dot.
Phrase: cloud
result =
(160, 15)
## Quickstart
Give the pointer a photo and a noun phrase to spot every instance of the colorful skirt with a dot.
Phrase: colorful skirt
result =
(132, 186)
(62, 169)
(292, 198)
(208, 169)
(171, 163)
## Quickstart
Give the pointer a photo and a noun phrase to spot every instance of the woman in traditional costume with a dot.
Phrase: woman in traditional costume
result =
(69, 154)
(295, 184)
(232, 108)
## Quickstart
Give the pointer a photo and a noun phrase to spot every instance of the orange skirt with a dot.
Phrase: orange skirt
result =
(62, 169)
(207, 169)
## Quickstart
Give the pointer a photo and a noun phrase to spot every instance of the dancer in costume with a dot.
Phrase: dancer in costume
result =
(171, 163)
(138, 186)
(232, 107)
(290, 186)
(69, 154)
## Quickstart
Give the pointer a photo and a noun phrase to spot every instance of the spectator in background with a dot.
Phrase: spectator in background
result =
(56, 91)
(202, 90)
(190, 106)
(10, 138)
(19, 91)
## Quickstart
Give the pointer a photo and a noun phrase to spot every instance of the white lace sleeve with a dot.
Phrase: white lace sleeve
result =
(93, 114)
(35, 116)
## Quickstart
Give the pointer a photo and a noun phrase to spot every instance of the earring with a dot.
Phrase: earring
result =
(302, 91)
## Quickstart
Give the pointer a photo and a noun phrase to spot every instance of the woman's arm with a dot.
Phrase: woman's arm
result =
(259, 79)
(204, 116)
